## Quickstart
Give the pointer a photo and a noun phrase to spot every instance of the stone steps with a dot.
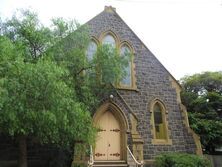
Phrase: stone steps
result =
(110, 164)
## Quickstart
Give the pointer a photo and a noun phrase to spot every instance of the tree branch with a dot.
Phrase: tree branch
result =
(82, 69)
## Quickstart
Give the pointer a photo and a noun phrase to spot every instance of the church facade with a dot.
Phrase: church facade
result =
(145, 117)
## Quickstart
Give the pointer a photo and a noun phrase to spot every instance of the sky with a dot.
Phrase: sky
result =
(185, 35)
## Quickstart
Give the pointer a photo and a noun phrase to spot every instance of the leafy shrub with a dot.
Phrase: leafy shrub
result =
(181, 160)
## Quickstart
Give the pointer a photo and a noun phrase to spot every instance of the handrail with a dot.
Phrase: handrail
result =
(137, 163)
(91, 160)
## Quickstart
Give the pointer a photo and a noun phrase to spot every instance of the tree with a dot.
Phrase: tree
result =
(202, 95)
(26, 28)
(48, 88)
(36, 102)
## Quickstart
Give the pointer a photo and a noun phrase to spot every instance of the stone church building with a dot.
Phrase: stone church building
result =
(145, 117)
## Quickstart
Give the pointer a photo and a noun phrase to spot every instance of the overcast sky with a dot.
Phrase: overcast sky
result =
(185, 35)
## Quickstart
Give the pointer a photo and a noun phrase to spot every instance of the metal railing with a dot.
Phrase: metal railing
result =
(91, 159)
(134, 159)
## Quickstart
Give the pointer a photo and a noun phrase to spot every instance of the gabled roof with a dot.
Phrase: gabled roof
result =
(112, 10)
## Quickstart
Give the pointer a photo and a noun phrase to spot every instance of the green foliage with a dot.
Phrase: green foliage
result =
(202, 95)
(24, 27)
(101, 73)
(210, 81)
(181, 160)
(62, 28)
(36, 101)
(48, 88)
(110, 64)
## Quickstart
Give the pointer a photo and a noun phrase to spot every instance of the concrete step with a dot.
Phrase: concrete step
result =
(110, 164)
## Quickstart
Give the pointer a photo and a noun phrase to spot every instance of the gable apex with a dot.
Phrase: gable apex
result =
(109, 9)
(110, 21)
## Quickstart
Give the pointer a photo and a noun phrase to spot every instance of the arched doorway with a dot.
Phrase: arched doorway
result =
(111, 137)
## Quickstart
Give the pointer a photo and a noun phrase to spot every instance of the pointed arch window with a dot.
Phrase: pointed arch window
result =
(91, 50)
(109, 40)
(159, 123)
(127, 78)
(128, 81)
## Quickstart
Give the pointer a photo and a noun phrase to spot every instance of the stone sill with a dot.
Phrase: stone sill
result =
(127, 88)
(161, 142)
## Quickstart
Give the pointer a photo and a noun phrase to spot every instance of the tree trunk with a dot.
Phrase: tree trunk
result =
(22, 161)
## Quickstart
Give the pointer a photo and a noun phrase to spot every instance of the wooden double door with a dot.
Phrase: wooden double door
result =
(108, 144)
